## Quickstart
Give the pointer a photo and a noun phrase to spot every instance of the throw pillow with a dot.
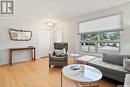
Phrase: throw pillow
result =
(64, 51)
(113, 58)
(126, 64)
(60, 52)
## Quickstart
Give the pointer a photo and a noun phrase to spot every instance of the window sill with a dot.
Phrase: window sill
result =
(100, 55)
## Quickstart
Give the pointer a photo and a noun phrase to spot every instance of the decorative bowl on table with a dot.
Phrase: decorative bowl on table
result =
(75, 67)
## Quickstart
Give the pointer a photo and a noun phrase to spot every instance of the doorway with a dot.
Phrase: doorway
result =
(44, 42)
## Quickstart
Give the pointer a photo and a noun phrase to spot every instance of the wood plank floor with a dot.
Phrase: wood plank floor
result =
(36, 74)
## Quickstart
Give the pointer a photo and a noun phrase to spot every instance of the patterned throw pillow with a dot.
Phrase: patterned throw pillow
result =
(126, 64)
(61, 52)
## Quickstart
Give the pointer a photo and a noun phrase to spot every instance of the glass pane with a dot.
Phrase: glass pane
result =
(92, 47)
(88, 47)
(109, 36)
(89, 37)
(108, 47)
(101, 42)
(84, 47)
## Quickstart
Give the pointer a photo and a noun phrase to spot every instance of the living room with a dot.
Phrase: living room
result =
(91, 30)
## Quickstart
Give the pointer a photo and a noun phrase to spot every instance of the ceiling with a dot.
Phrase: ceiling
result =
(61, 9)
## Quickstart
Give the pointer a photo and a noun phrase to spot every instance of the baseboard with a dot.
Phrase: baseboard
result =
(44, 57)
(17, 62)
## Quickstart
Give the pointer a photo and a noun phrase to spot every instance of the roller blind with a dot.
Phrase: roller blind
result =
(111, 23)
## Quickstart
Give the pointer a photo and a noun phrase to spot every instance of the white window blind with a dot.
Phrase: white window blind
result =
(111, 23)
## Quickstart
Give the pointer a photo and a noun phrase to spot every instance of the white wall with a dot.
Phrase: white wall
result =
(71, 27)
(6, 43)
(125, 40)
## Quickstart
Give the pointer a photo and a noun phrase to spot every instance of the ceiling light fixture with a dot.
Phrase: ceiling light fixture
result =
(50, 24)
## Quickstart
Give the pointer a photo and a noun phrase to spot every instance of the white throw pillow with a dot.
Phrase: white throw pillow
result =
(126, 64)
(64, 51)
(60, 52)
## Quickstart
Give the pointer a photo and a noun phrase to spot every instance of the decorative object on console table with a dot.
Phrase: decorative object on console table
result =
(33, 52)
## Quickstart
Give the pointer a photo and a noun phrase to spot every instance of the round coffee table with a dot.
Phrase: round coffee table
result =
(86, 73)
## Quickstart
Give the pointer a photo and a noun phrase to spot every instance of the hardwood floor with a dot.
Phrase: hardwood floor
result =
(36, 74)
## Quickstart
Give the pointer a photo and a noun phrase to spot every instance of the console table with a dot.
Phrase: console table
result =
(32, 49)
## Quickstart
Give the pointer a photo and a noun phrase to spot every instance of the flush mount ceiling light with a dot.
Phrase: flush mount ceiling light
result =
(51, 20)
(50, 23)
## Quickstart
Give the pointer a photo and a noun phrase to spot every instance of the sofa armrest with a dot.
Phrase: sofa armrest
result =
(127, 80)
(50, 55)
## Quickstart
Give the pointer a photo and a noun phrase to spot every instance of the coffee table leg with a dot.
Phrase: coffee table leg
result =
(61, 78)
(99, 83)
(77, 84)
(74, 59)
(90, 84)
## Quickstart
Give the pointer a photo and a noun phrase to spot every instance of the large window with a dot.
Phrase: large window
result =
(100, 42)
(101, 35)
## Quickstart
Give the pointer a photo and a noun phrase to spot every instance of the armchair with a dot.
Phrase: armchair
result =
(59, 60)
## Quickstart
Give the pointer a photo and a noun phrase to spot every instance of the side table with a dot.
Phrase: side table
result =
(74, 55)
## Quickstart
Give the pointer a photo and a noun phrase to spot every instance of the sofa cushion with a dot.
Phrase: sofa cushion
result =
(102, 64)
(84, 59)
(55, 58)
(113, 58)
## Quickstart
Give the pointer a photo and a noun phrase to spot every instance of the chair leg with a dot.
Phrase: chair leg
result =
(49, 66)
